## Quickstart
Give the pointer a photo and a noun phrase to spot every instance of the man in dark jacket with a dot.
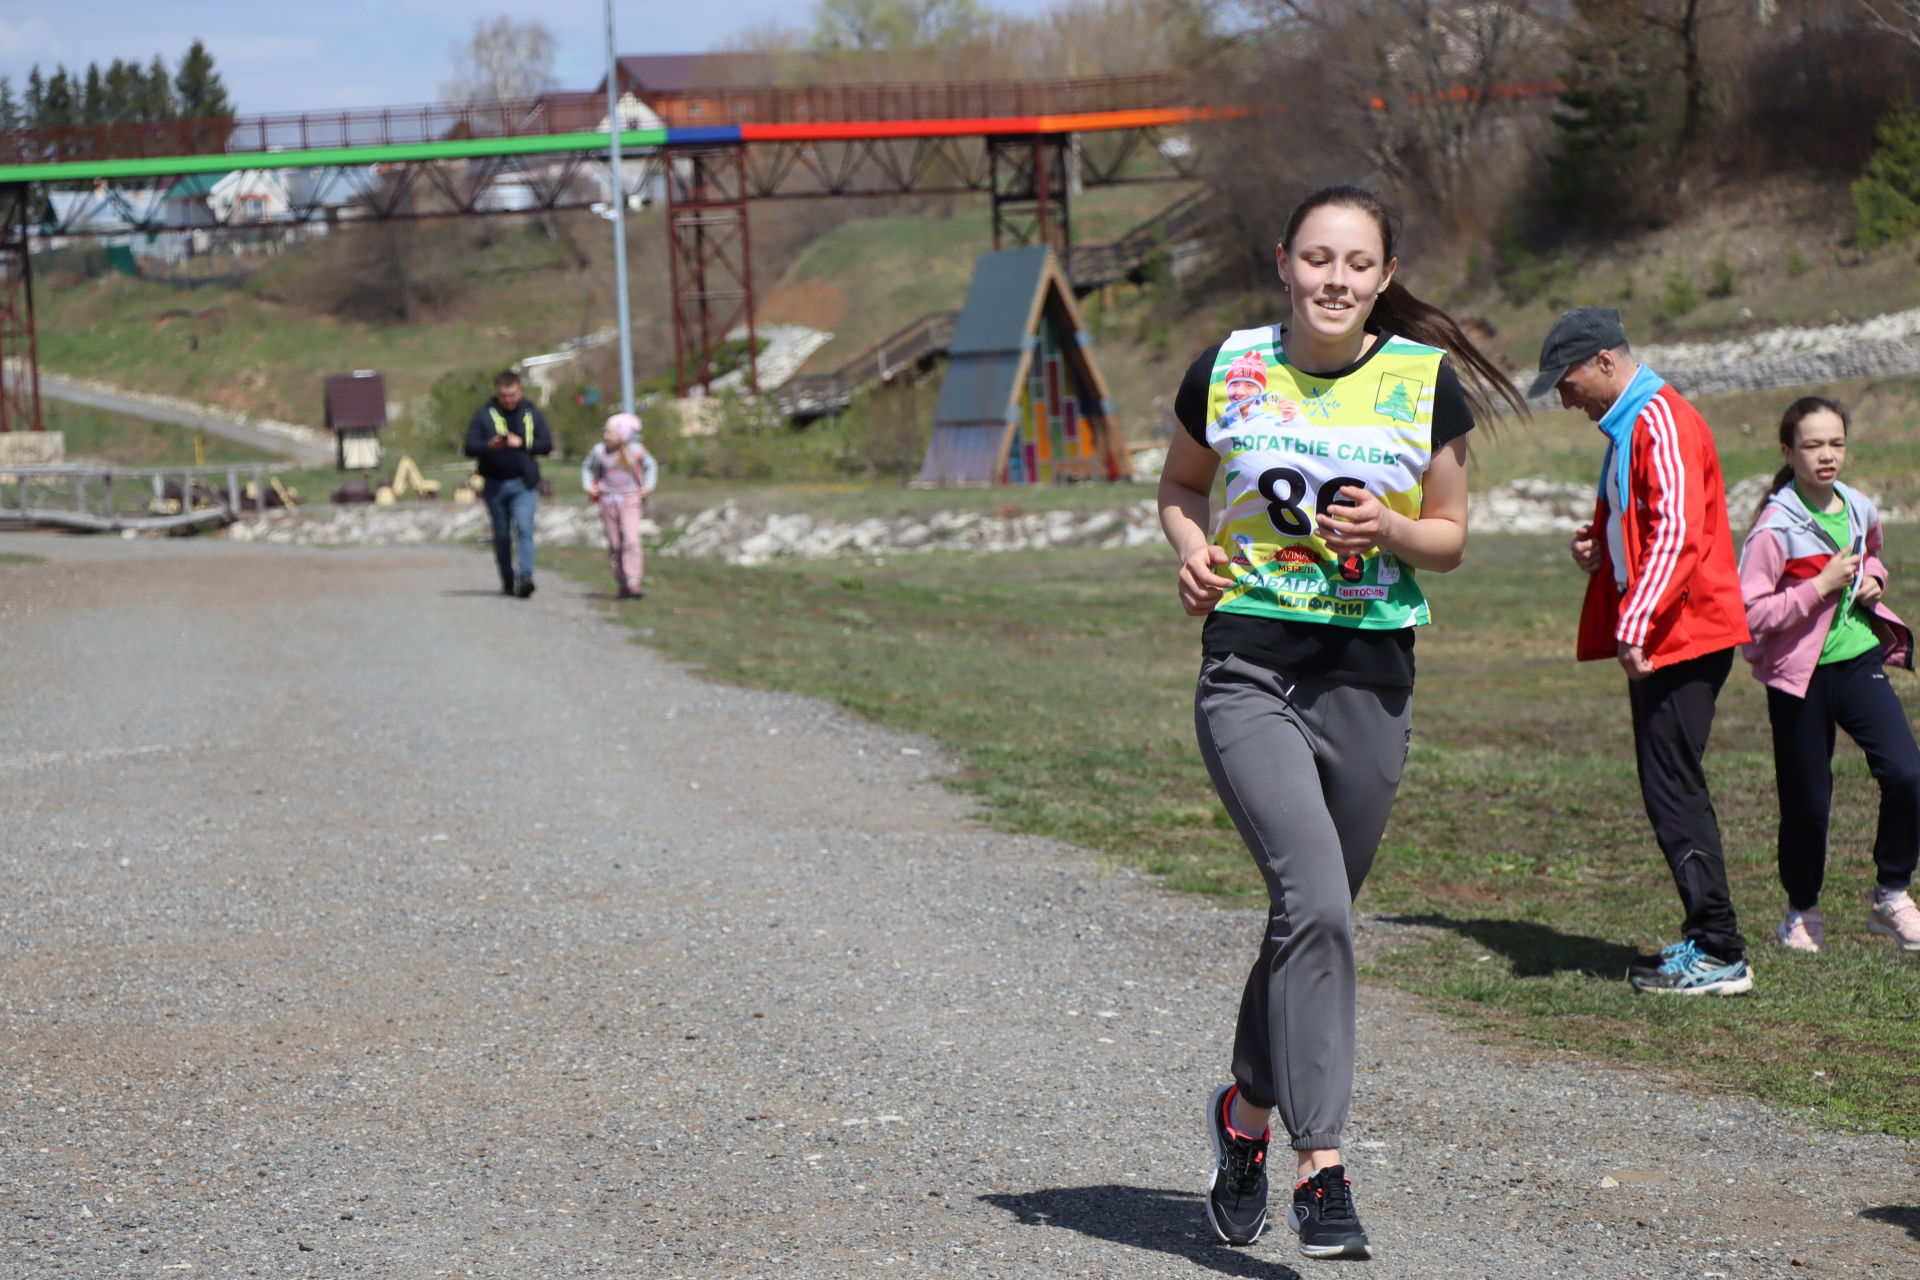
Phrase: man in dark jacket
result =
(504, 436)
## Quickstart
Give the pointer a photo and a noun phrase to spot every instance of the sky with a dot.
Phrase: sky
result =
(356, 53)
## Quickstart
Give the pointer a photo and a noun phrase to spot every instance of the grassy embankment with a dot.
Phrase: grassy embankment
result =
(1751, 260)
(261, 348)
(96, 435)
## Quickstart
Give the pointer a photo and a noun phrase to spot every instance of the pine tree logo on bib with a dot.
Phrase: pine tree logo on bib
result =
(1397, 398)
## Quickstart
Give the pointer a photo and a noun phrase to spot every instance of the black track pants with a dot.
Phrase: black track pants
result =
(1672, 717)
(1854, 695)
(1307, 769)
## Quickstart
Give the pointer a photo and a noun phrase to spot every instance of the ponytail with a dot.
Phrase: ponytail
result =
(1395, 310)
(1781, 479)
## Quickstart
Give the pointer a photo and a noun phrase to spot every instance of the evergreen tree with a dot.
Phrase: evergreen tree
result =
(1887, 201)
(126, 85)
(1605, 119)
(157, 103)
(33, 108)
(9, 110)
(57, 107)
(201, 95)
(93, 98)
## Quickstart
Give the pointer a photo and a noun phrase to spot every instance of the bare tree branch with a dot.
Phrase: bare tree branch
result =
(1895, 17)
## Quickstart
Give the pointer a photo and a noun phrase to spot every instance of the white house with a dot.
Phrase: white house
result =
(250, 195)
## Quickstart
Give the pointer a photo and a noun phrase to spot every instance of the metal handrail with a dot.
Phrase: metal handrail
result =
(96, 497)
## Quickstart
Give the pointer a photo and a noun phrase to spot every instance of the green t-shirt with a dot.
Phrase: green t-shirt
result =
(1849, 636)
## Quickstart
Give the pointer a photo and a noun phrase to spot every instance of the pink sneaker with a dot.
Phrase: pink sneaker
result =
(1896, 918)
(1802, 931)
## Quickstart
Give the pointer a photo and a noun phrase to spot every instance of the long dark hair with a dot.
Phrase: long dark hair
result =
(1797, 412)
(1396, 310)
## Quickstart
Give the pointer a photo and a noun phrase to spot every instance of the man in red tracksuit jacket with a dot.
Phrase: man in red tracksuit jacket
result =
(1664, 600)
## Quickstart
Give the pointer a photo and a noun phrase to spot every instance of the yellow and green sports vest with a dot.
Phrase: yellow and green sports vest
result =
(1290, 441)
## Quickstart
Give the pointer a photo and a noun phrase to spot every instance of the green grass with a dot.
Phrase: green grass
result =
(237, 351)
(136, 442)
(857, 499)
(263, 347)
(15, 557)
(1063, 682)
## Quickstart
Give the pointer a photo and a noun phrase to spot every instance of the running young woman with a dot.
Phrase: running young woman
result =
(1822, 636)
(1342, 430)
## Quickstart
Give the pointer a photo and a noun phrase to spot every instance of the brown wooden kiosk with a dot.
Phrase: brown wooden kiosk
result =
(356, 406)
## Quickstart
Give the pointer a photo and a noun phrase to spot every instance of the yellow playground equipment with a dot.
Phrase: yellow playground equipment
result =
(406, 476)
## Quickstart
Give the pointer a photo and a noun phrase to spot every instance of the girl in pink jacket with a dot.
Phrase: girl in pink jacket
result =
(618, 474)
(1822, 636)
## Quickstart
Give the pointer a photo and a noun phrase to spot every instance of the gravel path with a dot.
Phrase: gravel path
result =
(359, 921)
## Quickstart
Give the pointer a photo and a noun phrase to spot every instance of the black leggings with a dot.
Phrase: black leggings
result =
(1854, 695)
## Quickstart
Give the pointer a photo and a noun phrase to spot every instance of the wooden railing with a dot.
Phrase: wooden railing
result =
(927, 338)
(816, 395)
(1091, 266)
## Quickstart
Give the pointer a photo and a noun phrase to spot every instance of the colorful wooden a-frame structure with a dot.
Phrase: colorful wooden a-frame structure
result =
(1023, 401)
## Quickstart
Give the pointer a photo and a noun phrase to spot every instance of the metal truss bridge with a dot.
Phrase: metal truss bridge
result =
(1024, 144)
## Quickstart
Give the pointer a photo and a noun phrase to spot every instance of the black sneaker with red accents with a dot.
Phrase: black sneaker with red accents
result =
(1324, 1216)
(1237, 1195)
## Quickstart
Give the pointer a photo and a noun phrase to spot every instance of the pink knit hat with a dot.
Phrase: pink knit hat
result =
(624, 425)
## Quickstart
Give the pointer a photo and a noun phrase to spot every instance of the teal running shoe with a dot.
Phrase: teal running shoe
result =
(1686, 970)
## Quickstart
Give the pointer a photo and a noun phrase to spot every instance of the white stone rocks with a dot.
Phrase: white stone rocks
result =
(729, 535)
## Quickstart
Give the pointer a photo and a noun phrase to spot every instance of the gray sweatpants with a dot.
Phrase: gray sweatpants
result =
(1307, 769)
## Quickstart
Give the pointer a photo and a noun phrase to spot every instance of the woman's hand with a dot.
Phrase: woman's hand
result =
(1836, 573)
(1353, 528)
(1200, 587)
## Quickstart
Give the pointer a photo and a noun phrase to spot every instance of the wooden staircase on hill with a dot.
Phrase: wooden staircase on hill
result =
(914, 349)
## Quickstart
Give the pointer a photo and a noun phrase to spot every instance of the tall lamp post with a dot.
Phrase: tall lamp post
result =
(619, 201)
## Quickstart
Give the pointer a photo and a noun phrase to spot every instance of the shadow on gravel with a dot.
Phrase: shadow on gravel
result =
(472, 591)
(1904, 1216)
(1140, 1218)
(1535, 950)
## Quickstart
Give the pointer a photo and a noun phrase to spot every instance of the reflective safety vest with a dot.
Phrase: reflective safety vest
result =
(1290, 441)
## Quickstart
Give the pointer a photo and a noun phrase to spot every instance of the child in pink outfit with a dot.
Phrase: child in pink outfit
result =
(619, 474)
(1823, 636)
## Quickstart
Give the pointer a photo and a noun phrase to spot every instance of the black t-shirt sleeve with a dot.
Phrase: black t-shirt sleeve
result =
(1190, 402)
(1452, 415)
